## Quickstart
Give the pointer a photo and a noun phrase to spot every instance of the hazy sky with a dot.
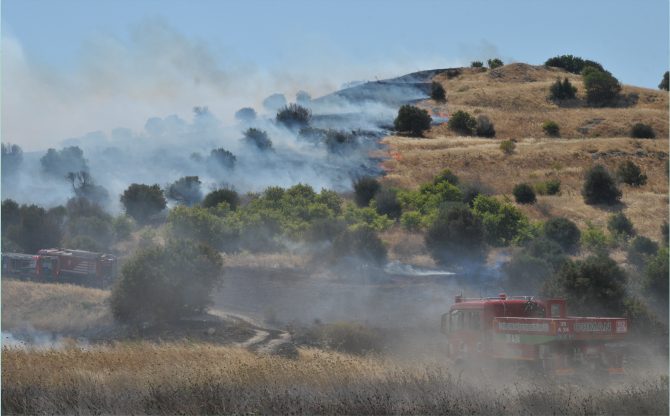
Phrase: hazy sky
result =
(74, 67)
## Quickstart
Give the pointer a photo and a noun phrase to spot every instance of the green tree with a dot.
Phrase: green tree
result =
(526, 273)
(294, 116)
(258, 138)
(37, 229)
(619, 223)
(245, 114)
(221, 194)
(362, 243)
(562, 90)
(123, 227)
(185, 190)
(59, 163)
(664, 83)
(631, 174)
(462, 122)
(642, 131)
(551, 127)
(221, 158)
(502, 222)
(11, 214)
(562, 231)
(365, 190)
(476, 64)
(411, 221)
(495, 63)
(437, 91)
(83, 185)
(600, 187)
(600, 87)
(446, 176)
(655, 277)
(412, 119)
(573, 64)
(215, 227)
(456, 233)
(12, 158)
(84, 242)
(386, 203)
(524, 193)
(165, 283)
(142, 201)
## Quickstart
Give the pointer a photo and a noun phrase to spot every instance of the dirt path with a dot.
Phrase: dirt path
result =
(265, 340)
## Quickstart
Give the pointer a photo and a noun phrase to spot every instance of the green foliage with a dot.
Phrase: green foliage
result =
(550, 127)
(664, 85)
(221, 158)
(600, 187)
(147, 236)
(12, 158)
(165, 283)
(83, 185)
(446, 176)
(573, 64)
(503, 223)
(557, 166)
(591, 287)
(525, 272)
(386, 203)
(428, 198)
(494, 63)
(456, 233)
(37, 229)
(547, 250)
(365, 217)
(462, 122)
(59, 163)
(643, 320)
(324, 229)
(619, 223)
(507, 146)
(553, 186)
(143, 201)
(216, 227)
(352, 338)
(437, 91)
(245, 114)
(642, 131)
(185, 190)
(330, 199)
(600, 87)
(123, 227)
(594, 237)
(524, 193)
(294, 116)
(365, 189)
(84, 242)
(221, 194)
(11, 214)
(412, 119)
(258, 138)
(643, 245)
(562, 231)
(562, 90)
(484, 127)
(472, 188)
(655, 277)
(476, 64)
(362, 243)
(540, 188)
(411, 221)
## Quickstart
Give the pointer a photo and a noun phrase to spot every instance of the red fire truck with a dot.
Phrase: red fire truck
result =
(82, 267)
(533, 337)
(40, 268)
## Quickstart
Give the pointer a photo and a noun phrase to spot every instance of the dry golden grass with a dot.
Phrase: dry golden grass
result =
(266, 261)
(188, 378)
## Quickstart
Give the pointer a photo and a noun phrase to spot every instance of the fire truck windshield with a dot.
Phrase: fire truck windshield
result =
(456, 321)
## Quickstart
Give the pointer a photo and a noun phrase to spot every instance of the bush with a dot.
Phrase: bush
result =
(411, 221)
(59, 163)
(525, 273)
(540, 188)
(664, 85)
(570, 63)
(221, 158)
(548, 250)
(655, 277)
(245, 114)
(476, 64)
(351, 338)
(484, 127)
(219, 195)
(258, 138)
(12, 158)
(363, 243)
(216, 227)
(524, 194)
(594, 237)
(84, 242)
(562, 231)
(456, 233)
(553, 186)
(473, 188)
(503, 223)
(412, 119)
(619, 223)
(495, 63)
(147, 236)
(185, 191)
(631, 174)
(446, 176)
(643, 245)
(600, 87)
(11, 214)
(562, 90)
(37, 229)
(437, 91)
(143, 201)
(165, 283)
(642, 131)
(324, 229)
(365, 189)
(294, 116)
(83, 185)
(462, 122)
(386, 203)
(507, 147)
(550, 127)
(123, 227)
(599, 187)
(274, 102)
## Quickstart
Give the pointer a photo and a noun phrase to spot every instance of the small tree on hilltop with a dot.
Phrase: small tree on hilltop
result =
(143, 201)
(437, 91)
(462, 122)
(484, 127)
(222, 158)
(495, 63)
(258, 138)
(562, 90)
(412, 119)
(600, 187)
(631, 174)
(476, 64)
(365, 190)
(164, 283)
(600, 87)
(570, 63)
(524, 194)
(664, 85)
(245, 114)
(294, 116)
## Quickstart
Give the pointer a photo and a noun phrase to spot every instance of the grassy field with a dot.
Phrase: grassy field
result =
(132, 378)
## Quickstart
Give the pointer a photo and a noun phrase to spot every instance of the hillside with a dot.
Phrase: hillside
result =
(513, 97)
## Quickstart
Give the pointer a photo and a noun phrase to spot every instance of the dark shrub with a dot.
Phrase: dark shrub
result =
(594, 65)
(631, 174)
(334, 139)
(12, 158)
(462, 122)
(294, 116)
(312, 135)
(165, 283)
(548, 250)
(643, 245)
(507, 146)
(222, 158)
(37, 229)
(665, 231)
(303, 98)
(456, 233)
(245, 114)
(84, 242)
(562, 90)
(324, 229)
(274, 102)
(437, 91)
(642, 131)
(570, 63)
(143, 201)
(495, 63)
(484, 127)
(258, 138)
(222, 194)
(386, 203)
(563, 231)
(11, 214)
(365, 189)
(553, 186)
(551, 127)
(363, 243)
(525, 273)
(619, 223)
(185, 191)
(600, 87)
(524, 193)
(446, 176)
(412, 119)
(8, 246)
(476, 64)
(600, 187)
(59, 163)
(83, 185)
(664, 83)
(655, 278)
(472, 188)
(453, 73)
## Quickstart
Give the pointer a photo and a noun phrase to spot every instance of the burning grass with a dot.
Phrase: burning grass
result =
(52, 308)
(187, 378)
